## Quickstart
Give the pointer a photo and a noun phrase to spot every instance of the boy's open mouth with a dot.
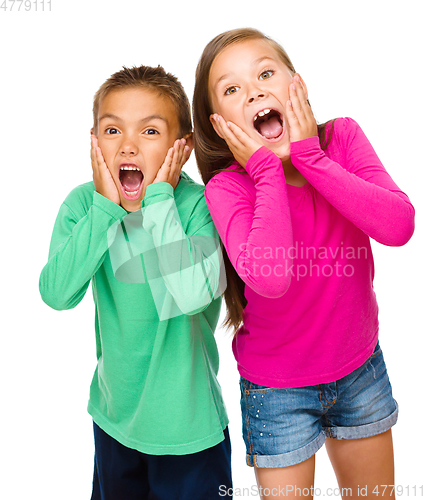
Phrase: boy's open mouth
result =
(269, 124)
(131, 179)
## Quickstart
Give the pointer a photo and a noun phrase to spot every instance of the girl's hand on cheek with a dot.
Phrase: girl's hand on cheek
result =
(240, 144)
(102, 178)
(300, 118)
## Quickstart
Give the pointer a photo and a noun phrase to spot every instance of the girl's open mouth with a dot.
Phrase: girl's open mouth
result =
(131, 179)
(269, 124)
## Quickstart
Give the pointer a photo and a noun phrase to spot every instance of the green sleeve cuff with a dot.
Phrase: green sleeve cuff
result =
(108, 206)
(159, 191)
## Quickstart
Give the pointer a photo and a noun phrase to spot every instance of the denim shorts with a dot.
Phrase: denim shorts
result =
(283, 427)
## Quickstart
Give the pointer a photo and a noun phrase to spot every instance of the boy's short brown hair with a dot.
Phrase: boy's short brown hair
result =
(155, 79)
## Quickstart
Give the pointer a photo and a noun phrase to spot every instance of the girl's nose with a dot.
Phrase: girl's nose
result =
(256, 95)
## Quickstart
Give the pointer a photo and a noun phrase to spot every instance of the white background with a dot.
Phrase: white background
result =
(360, 59)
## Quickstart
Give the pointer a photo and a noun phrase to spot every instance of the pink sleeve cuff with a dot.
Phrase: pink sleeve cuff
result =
(256, 163)
(311, 143)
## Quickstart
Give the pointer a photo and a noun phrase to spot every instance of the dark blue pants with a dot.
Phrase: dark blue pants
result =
(122, 473)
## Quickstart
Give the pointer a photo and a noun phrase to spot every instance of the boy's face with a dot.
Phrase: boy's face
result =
(136, 127)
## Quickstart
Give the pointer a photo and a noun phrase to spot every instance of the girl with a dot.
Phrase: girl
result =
(295, 204)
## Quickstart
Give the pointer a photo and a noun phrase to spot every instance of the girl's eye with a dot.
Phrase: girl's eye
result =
(151, 131)
(266, 74)
(232, 90)
(111, 130)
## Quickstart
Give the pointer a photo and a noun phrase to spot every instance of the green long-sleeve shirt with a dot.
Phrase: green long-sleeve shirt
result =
(156, 281)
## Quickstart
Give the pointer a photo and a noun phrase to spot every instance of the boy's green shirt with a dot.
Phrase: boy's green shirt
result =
(156, 281)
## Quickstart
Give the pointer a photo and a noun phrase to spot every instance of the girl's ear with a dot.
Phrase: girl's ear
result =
(215, 127)
(305, 88)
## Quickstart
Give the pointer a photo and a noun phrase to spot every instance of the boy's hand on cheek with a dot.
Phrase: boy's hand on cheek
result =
(172, 166)
(104, 183)
(239, 143)
(299, 115)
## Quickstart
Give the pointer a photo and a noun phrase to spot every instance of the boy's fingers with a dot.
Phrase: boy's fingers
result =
(177, 146)
(98, 162)
(178, 159)
(164, 170)
(168, 161)
(93, 157)
(187, 154)
(182, 153)
(100, 156)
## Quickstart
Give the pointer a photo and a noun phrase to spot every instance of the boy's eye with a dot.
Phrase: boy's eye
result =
(232, 90)
(151, 131)
(266, 74)
(111, 130)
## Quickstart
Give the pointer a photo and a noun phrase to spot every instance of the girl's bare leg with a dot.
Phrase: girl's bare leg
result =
(364, 467)
(294, 481)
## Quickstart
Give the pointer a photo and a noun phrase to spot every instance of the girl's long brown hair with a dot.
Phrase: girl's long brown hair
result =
(212, 152)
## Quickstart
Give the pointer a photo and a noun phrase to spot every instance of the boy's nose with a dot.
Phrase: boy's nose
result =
(128, 147)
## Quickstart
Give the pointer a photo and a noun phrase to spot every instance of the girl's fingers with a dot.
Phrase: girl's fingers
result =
(242, 137)
(301, 104)
(226, 132)
(247, 145)
(238, 141)
(291, 117)
(241, 145)
(301, 120)
(297, 98)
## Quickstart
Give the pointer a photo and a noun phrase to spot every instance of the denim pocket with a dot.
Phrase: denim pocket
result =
(376, 352)
(248, 387)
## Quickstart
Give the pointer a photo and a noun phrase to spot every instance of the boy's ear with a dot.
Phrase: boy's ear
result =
(189, 138)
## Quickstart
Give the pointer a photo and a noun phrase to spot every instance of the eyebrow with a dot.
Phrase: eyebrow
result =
(254, 63)
(261, 59)
(146, 119)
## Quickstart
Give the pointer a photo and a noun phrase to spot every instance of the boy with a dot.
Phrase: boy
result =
(142, 234)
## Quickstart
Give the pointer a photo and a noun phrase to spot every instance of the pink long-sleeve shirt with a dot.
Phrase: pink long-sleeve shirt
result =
(305, 256)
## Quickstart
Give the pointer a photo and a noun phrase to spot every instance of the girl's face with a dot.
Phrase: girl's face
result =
(249, 86)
